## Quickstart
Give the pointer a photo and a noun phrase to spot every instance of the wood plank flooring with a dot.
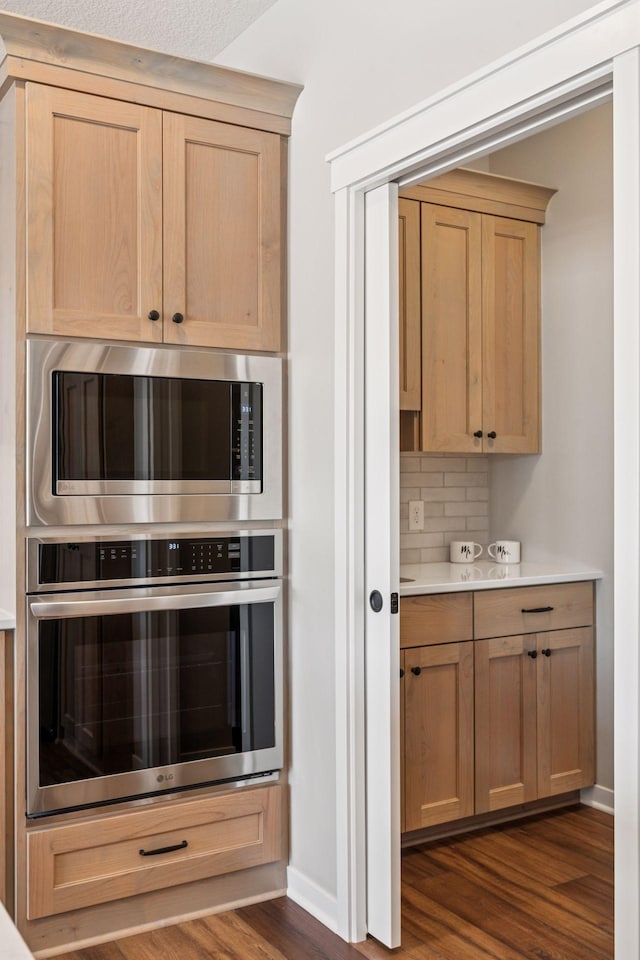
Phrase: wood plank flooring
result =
(536, 889)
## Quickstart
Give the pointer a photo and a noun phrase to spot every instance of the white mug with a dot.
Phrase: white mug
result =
(464, 551)
(505, 551)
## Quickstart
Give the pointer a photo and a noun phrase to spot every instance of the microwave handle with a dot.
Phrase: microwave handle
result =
(44, 609)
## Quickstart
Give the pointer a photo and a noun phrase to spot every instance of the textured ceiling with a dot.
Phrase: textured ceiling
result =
(198, 29)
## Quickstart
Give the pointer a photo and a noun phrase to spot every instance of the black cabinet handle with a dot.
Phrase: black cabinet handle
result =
(533, 654)
(492, 435)
(478, 434)
(153, 315)
(401, 673)
(547, 652)
(154, 853)
(177, 318)
(416, 671)
(537, 610)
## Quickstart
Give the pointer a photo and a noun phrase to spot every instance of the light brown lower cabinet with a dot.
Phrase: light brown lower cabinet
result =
(90, 862)
(438, 732)
(533, 717)
(499, 721)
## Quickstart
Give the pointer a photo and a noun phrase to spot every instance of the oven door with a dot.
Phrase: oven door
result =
(131, 692)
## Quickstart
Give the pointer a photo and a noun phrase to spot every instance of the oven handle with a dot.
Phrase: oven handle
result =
(43, 609)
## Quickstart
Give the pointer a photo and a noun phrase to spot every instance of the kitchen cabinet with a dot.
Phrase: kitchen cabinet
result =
(498, 705)
(139, 189)
(480, 315)
(147, 225)
(437, 657)
(81, 864)
(409, 314)
(533, 716)
(438, 734)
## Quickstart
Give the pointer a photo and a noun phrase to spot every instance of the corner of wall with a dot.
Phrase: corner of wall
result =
(313, 898)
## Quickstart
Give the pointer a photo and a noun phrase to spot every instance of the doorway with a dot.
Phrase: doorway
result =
(533, 90)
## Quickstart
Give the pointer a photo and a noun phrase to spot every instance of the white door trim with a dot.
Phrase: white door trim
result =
(558, 72)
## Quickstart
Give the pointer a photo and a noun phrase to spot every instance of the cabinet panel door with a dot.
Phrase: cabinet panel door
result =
(222, 243)
(565, 711)
(451, 329)
(94, 216)
(409, 320)
(511, 377)
(402, 742)
(438, 734)
(505, 714)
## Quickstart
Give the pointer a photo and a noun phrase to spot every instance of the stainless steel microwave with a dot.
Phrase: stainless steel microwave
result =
(146, 434)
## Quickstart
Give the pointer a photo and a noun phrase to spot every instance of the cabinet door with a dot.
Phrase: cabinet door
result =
(511, 378)
(505, 714)
(409, 286)
(222, 242)
(402, 756)
(438, 734)
(94, 212)
(451, 330)
(565, 711)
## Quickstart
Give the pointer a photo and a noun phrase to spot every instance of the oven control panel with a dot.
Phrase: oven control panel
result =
(149, 560)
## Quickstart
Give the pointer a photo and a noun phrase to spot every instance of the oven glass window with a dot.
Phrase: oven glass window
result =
(132, 691)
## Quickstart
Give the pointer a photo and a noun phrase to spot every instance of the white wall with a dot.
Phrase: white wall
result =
(560, 504)
(361, 63)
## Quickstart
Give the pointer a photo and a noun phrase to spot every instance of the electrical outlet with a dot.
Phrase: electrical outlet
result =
(416, 515)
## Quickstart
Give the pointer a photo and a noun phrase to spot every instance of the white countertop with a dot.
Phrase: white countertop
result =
(486, 575)
(13, 946)
(7, 620)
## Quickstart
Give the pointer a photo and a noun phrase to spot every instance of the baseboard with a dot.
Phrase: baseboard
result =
(599, 797)
(312, 898)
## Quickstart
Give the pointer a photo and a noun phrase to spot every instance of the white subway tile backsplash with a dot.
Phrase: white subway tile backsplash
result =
(455, 494)
(439, 495)
(468, 479)
(466, 509)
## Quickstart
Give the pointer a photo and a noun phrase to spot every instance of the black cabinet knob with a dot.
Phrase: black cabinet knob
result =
(492, 435)
(416, 671)
(153, 315)
(478, 434)
(177, 318)
(533, 654)
(401, 673)
(546, 653)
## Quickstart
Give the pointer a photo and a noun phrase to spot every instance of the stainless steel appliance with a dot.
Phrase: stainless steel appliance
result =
(171, 681)
(148, 434)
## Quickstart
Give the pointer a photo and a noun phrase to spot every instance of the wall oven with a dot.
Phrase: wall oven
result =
(121, 434)
(171, 681)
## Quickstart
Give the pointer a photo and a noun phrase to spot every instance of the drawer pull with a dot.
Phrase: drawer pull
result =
(538, 610)
(154, 853)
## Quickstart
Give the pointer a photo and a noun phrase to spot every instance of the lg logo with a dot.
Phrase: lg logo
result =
(164, 777)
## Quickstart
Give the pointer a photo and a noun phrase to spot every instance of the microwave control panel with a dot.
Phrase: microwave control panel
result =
(155, 560)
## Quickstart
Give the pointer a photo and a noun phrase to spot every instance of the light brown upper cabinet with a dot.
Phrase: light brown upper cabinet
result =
(479, 317)
(151, 226)
(409, 289)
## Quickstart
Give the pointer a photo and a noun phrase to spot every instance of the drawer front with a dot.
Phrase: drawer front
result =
(555, 606)
(436, 618)
(85, 863)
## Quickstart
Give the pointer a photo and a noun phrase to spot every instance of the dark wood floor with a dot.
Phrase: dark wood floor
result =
(540, 889)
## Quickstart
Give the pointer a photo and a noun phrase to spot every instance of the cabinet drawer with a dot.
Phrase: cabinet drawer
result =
(436, 618)
(89, 862)
(556, 606)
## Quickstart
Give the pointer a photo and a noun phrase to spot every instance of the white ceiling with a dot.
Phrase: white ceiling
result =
(198, 29)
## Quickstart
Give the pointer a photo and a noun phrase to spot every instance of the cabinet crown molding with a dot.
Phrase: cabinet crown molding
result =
(44, 52)
(484, 193)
